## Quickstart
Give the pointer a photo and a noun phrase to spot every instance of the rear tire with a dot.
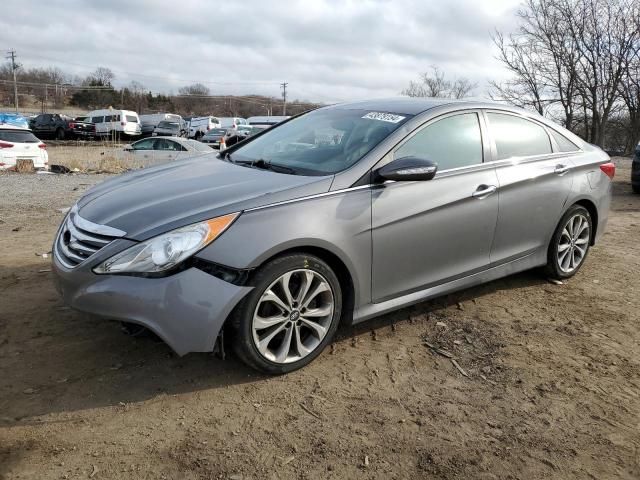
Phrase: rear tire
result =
(570, 243)
(277, 331)
(635, 188)
(60, 134)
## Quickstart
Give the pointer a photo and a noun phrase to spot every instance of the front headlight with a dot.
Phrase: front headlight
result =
(167, 250)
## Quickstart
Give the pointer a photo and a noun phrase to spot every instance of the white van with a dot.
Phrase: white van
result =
(149, 122)
(110, 121)
(199, 126)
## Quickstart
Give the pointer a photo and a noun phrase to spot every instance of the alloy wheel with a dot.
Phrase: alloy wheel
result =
(293, 316)
(573, 243)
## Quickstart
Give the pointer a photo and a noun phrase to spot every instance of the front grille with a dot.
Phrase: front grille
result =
(79, 239)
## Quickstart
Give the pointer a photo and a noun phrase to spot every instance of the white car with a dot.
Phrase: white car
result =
(114, 122)
(158, 150)
(17, 143)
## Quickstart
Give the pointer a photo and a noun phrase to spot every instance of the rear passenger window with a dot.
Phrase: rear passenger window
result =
(452, 142)
(564, 144)
(97, 119)
(517, 137)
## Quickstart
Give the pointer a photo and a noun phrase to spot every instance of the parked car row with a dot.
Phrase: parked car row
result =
(126, 123)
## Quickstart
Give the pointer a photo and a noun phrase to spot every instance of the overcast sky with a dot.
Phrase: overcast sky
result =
(326, 50)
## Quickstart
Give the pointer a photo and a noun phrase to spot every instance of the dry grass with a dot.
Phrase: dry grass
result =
(91, 157)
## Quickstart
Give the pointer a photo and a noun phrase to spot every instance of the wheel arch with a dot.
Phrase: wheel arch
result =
(593, 212)
(337, 264)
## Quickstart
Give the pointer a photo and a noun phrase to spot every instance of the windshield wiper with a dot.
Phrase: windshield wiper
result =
(264, 165)
(275, 167)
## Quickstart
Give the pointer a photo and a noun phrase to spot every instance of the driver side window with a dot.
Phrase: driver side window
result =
(452, 142)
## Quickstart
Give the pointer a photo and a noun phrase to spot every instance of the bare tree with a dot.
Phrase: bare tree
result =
(195, 89)
(571, 54)
(191, 99)
(630, 92)
(102, 77)
(435, 84)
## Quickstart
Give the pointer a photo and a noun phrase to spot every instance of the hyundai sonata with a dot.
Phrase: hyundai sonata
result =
(332, 217)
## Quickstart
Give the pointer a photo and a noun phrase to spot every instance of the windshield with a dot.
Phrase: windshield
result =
(215, 132)
(321, 142)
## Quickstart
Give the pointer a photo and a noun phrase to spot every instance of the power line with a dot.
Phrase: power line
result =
(59, 85)
(284, 97)
(11, 54)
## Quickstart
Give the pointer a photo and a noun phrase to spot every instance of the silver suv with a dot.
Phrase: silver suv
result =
(332, 217)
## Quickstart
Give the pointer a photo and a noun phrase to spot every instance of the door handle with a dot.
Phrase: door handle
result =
(561, 169)
(483, 191)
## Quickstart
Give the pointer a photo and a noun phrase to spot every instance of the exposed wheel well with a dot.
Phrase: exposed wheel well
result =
(593, 211)
(341, 271)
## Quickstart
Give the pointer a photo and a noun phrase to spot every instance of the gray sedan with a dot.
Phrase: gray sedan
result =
(333, 217)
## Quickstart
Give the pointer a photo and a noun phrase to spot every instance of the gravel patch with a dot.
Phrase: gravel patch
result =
(29, 195)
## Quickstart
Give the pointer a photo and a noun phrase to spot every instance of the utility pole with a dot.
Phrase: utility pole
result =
(11, 55)
(284, 97)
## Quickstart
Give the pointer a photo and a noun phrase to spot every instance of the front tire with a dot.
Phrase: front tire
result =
(570, 243)
(290, 316)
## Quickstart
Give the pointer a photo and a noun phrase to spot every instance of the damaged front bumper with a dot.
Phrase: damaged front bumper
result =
(186, 309)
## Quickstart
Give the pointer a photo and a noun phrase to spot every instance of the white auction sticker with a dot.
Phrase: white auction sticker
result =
(384, 117)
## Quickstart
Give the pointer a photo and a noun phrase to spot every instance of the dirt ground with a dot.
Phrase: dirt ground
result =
(553, 386)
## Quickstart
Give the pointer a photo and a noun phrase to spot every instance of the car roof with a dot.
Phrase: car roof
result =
(406, 105)
(13, 127)
(415, 106)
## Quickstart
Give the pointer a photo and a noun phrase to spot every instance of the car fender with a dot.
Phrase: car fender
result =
(339, 223)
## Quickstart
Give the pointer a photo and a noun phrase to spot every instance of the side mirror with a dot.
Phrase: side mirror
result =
(128, 148)
(409, 169)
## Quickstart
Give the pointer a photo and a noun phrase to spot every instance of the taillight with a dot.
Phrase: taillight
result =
(43, 146)
(208, 128)
(72, 125)
(609, 169)
(6, 145)
(123, 123)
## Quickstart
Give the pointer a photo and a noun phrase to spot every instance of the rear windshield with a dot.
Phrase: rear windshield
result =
(132, 118)
(18, 136)
(217, 131)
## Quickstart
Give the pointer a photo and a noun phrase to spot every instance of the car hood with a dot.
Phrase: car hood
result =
(154, 200)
